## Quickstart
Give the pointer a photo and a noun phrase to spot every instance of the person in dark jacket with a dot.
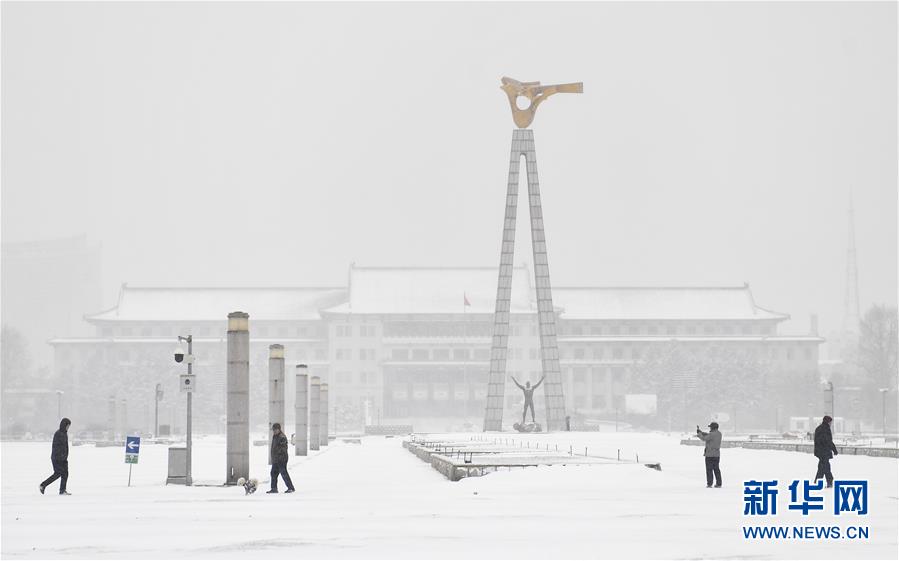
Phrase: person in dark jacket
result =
(824, 450)
(712, 453)
(59, 456)
(279, 460)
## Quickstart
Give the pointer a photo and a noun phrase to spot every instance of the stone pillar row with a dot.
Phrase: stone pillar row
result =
(311, 427)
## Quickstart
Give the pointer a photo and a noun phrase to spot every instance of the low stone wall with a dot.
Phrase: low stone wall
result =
(805, 447)
(387, 429)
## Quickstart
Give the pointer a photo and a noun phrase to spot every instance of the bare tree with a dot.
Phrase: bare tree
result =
(15, 363)
(877, 346)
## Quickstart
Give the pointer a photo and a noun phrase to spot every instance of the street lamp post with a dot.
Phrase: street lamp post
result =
(190, 359)
(156, 416)
(883, 394)
(59, 404)
(828, 387)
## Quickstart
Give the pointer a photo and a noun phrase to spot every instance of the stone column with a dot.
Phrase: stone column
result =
(275, 389)
(314, 412)
(237, 442)
(112, 421)
(301, 429)
(323, 405)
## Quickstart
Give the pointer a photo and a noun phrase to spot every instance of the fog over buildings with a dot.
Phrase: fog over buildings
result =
(299, 145)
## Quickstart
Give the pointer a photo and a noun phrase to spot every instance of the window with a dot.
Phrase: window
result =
(745, 329)
(343, 354)
(671, 329)
(363, 377)
(596, 329)
(617, 353)
(579, 353)
(441, 354)
(633, 329)
(461, 354)
(145, 331)
(708, 329)
(300, 332)
(420, 354)
(691, 329)
(366, 354)
(599, 353)
(580, 375)
(126, 332)
(366, 330)
(321, 354)
(344, 331)
(482, 354)
(636, 353)
(400, 354)
(653, 330)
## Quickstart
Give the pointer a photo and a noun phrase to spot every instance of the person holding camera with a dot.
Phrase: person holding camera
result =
(712, 453)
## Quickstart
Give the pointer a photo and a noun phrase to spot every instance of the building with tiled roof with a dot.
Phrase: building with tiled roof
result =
(403, 343)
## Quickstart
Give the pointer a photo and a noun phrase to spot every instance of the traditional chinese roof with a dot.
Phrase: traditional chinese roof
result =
(149, 303)
(433, 290)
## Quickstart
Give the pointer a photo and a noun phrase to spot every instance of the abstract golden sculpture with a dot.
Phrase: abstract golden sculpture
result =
(535, 93)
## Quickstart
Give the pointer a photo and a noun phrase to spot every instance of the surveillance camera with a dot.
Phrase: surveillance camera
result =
(179, 354)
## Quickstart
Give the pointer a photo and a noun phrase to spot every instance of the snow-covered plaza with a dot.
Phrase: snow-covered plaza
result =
(376, 500)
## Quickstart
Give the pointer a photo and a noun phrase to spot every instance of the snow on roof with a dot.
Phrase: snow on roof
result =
(733, 303)
(434, 290)
(209, 304)
(385, 290)
(422, 290)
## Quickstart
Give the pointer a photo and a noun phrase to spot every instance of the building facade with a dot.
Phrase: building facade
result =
(400, 345)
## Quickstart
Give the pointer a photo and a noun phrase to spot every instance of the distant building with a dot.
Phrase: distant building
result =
(406, 343)
(47, 288)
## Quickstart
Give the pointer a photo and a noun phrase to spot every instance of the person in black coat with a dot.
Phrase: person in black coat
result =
(824, 450)
(59, 456)
(279, 460)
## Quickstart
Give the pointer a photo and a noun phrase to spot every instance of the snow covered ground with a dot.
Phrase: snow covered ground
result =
(378, 500)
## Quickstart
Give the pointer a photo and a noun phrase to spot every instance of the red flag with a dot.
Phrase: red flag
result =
(465, 298)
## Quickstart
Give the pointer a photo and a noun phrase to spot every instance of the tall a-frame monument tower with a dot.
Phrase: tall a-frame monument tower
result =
(530, 94)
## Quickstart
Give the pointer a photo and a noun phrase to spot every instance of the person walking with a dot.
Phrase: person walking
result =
(279, 460)
(712, 453)
(59, 456)
(824, 450)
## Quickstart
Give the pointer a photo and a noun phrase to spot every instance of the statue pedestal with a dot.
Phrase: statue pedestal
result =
(528, 427)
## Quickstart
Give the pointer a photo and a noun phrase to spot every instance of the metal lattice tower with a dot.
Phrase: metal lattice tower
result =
(851, 303)
(530, 94)
(523, 145)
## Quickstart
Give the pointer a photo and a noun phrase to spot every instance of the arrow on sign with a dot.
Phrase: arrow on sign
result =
(132, 444)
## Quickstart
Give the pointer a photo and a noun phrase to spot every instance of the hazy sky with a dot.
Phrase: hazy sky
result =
(245, 143)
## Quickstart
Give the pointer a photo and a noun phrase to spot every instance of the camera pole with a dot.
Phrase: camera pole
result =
(190, 353)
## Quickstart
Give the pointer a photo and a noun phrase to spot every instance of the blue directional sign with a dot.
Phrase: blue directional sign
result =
(132, 449)
(132, 445)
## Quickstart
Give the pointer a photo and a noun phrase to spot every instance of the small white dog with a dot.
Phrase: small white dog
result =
(248, 485)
